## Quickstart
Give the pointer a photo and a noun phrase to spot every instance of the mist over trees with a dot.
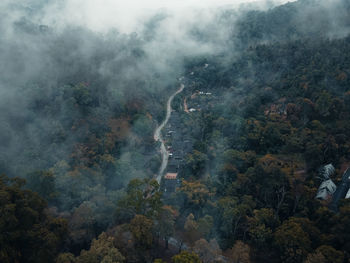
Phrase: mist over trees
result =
(78, 108)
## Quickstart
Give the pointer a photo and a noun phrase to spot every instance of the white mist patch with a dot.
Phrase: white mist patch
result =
(127, 16)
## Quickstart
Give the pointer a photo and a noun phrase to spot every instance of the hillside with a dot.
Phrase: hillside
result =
(257, 102)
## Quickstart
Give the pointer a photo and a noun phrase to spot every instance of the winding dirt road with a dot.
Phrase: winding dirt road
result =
(158, 135)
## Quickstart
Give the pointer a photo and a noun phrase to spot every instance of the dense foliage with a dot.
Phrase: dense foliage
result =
(277, 109)
(28, 233)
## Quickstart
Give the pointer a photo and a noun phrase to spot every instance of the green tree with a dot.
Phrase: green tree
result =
(293, 242)
(323, 104)
(82, 95)
(142, 197)
(82, 224)
(315, 258)
(102, 250)
(166, 222)
(191, 229)
(43, 182)
(271, 182)
(261, 226)
(233, 214)
(339, 229)
(197, 162)
(141, 229)
(330, 254)
(205, 225)
(196, 194)
(65, 258)
(186, 257)
(260, 235)
(240, 252)
(28, 233)
(207, 252)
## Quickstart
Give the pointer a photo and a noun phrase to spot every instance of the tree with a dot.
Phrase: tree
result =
(102, 250)
(261, 226)
(339, 229)
(142, 126)
(207, 252)
(323, 104)
(233, 214)
(166, 222)
(240, 253)
(197, 161)
(205, 225)
(82, 96)
(241, 160)
(28, 233)
(66, 258)
(293, 242)
(196, 193)
(227, 175)
(308, 110)
(271, 182)
(293, 112)
(141, 229)
(142, 197)
(330, 254)
(186, 257)
(82, 224)
(272, 138)
(43, 182)
(191, 229)
(253, 131)
(315, 258)
(260, 235)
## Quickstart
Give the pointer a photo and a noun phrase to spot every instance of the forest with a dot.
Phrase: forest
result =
(78, 158)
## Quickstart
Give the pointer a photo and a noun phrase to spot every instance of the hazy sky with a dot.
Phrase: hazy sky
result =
(126, 15)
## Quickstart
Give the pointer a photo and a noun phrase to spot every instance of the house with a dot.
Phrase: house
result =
(326, 190)
(327, 171)
(327, 187)
(171, 176)
(347, 195)
(342, 191)
(170, 183)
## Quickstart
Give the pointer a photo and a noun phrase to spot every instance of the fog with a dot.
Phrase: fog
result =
(71, 69)
(126, 16)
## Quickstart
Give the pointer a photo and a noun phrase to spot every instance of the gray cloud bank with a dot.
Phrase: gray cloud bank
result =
(115, 44)
(122, 52)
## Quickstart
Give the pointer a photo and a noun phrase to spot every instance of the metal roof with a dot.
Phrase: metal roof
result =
(171, 176)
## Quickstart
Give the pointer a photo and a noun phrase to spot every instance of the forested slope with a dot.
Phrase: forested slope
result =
(271, 107)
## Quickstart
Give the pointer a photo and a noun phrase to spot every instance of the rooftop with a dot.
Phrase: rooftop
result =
(171, 176)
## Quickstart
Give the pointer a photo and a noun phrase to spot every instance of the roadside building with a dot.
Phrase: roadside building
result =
(342, 191)
(326, 190)
(347, 195)
(327, 171)
(170, 183)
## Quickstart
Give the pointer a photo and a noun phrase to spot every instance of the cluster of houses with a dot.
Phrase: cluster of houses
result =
(179, 144)
(179, 141)
(329, 191)
(200, 100)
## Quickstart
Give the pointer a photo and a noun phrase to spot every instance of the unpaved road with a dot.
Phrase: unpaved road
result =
(158, 134)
